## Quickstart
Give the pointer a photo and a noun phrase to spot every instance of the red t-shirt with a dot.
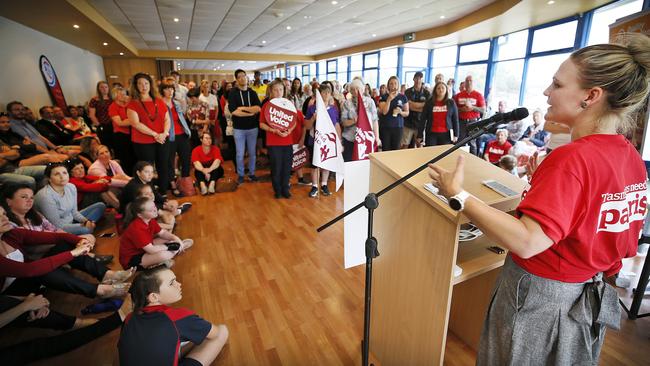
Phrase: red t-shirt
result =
(117, 110)
(474, 98)
(206, 159)
(496, 151)
(589, 197)
(439, 117)
(157, 111)
(273, 139)
(178, 128)
(137, 236)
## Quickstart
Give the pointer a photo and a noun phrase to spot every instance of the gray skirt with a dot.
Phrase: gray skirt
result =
(536, 321)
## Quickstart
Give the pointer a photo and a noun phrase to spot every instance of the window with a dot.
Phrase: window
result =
(356, 63)
(539, 76)
(388, 58)
(555, 37)
(384, 74)
(371, 77)
(342, 75)
(331, 70)
(474, 52)
(603, 17)
(415, 57)
(478, 73)
(321, 71)
(506, 83)
(513, 45)
(447, 73)
(371, 60)
(445, 56)
(305, 70)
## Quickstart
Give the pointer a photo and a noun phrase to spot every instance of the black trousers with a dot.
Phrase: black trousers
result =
(464, 132)
(181, 146)
(281, 158)
(157, 154)
(53, 320)
(216, 174)
(348, 147)
(45, 347)
(105, 134)
(391, 138)
(438, 138)
(62, 279)
(123, 148)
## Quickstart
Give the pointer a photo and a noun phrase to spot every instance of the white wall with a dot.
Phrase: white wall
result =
(78, 70)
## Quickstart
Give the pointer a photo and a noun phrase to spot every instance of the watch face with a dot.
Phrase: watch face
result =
(455, 204)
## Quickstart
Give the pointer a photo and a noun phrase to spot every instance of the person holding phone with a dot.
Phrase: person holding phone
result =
(393, 107)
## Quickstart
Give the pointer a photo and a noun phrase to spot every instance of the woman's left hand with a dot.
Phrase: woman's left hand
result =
(450, 183)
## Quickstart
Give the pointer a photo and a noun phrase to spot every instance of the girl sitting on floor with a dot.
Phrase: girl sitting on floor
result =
(165, 219)
(144, 243)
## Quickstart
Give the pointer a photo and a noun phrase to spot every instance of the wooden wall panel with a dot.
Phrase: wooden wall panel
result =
(122, 69)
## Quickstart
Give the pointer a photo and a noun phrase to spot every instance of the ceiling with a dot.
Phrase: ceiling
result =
(215, 32)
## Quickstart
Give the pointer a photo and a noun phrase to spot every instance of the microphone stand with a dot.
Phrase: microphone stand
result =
(371, 202)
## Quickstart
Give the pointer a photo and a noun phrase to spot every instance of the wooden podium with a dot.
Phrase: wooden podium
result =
(415, 297)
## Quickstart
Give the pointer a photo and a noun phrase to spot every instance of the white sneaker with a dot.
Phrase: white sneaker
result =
(204, 190)
(187, 244)
(211, 187)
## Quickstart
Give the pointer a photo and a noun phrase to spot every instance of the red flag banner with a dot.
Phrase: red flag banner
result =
(280, 114)
(52, 82)
(365, 139)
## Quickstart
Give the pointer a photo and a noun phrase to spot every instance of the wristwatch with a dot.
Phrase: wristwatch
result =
(457, 202)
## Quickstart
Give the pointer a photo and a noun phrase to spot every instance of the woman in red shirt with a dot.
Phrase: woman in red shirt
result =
(207, 164)
(179, 138)
(122, 145)
(279, 141)
(98, 113)
(440, 118)
(150, 121)
(581, 215)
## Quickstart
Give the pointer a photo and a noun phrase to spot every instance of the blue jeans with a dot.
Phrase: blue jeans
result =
(245, 139)
(93, 212)
(24, 175)
(482, 142)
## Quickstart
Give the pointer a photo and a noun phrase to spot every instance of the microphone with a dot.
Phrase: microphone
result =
(515, 115)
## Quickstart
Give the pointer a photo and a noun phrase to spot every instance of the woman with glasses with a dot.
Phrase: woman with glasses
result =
(57, 201)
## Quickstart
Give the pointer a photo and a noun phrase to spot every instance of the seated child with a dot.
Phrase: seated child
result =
(144, 243)
(153, 332)
(166, 219)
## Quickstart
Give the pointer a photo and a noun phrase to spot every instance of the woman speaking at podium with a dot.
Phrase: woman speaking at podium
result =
(581, 215)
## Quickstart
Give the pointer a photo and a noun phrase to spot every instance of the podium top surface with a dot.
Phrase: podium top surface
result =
(401, 162)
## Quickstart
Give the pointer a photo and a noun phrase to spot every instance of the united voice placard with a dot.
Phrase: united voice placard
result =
(281, 114)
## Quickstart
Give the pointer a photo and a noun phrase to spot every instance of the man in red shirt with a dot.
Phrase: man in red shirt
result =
(471, 106)
(498, 148)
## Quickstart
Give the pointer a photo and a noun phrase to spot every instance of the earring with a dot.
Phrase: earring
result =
(583, 105)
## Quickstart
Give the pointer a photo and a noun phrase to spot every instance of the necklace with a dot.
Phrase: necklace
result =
(155, 116)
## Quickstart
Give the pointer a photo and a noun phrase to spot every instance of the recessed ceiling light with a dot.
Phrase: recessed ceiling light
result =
(75, 26)
(121, 53)
(241, 62)
(442, 17)
(374, 35)
(177, 37)
(551, 2)
(288, 27)
(263, 42)
(176, 20)
(334, 2)
(214, 69)
(105, 44)
(178, 47)
(223, 65)
(333, 46)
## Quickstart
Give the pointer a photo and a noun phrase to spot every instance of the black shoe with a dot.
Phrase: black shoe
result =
(277, 195)
(240, 180)
(253, 178)
(325, 190)
(103, 259)
(314, 192)
(286, 195)
(184, 207)
(303, 181)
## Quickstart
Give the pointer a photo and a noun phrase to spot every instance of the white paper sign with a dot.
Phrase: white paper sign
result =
(355, 227)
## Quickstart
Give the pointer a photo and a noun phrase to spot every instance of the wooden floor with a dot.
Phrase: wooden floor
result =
(259, 266)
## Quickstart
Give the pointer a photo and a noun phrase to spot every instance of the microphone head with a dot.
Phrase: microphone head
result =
(518, 114)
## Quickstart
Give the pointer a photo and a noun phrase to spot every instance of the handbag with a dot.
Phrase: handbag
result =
(226, 185)
(186, 186)
(230, 131)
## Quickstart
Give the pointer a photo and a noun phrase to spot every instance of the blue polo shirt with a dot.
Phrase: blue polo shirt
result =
(154, 336)
(387, 120)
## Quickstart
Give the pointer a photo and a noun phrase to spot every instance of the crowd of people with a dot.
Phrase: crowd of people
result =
(60, 178)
